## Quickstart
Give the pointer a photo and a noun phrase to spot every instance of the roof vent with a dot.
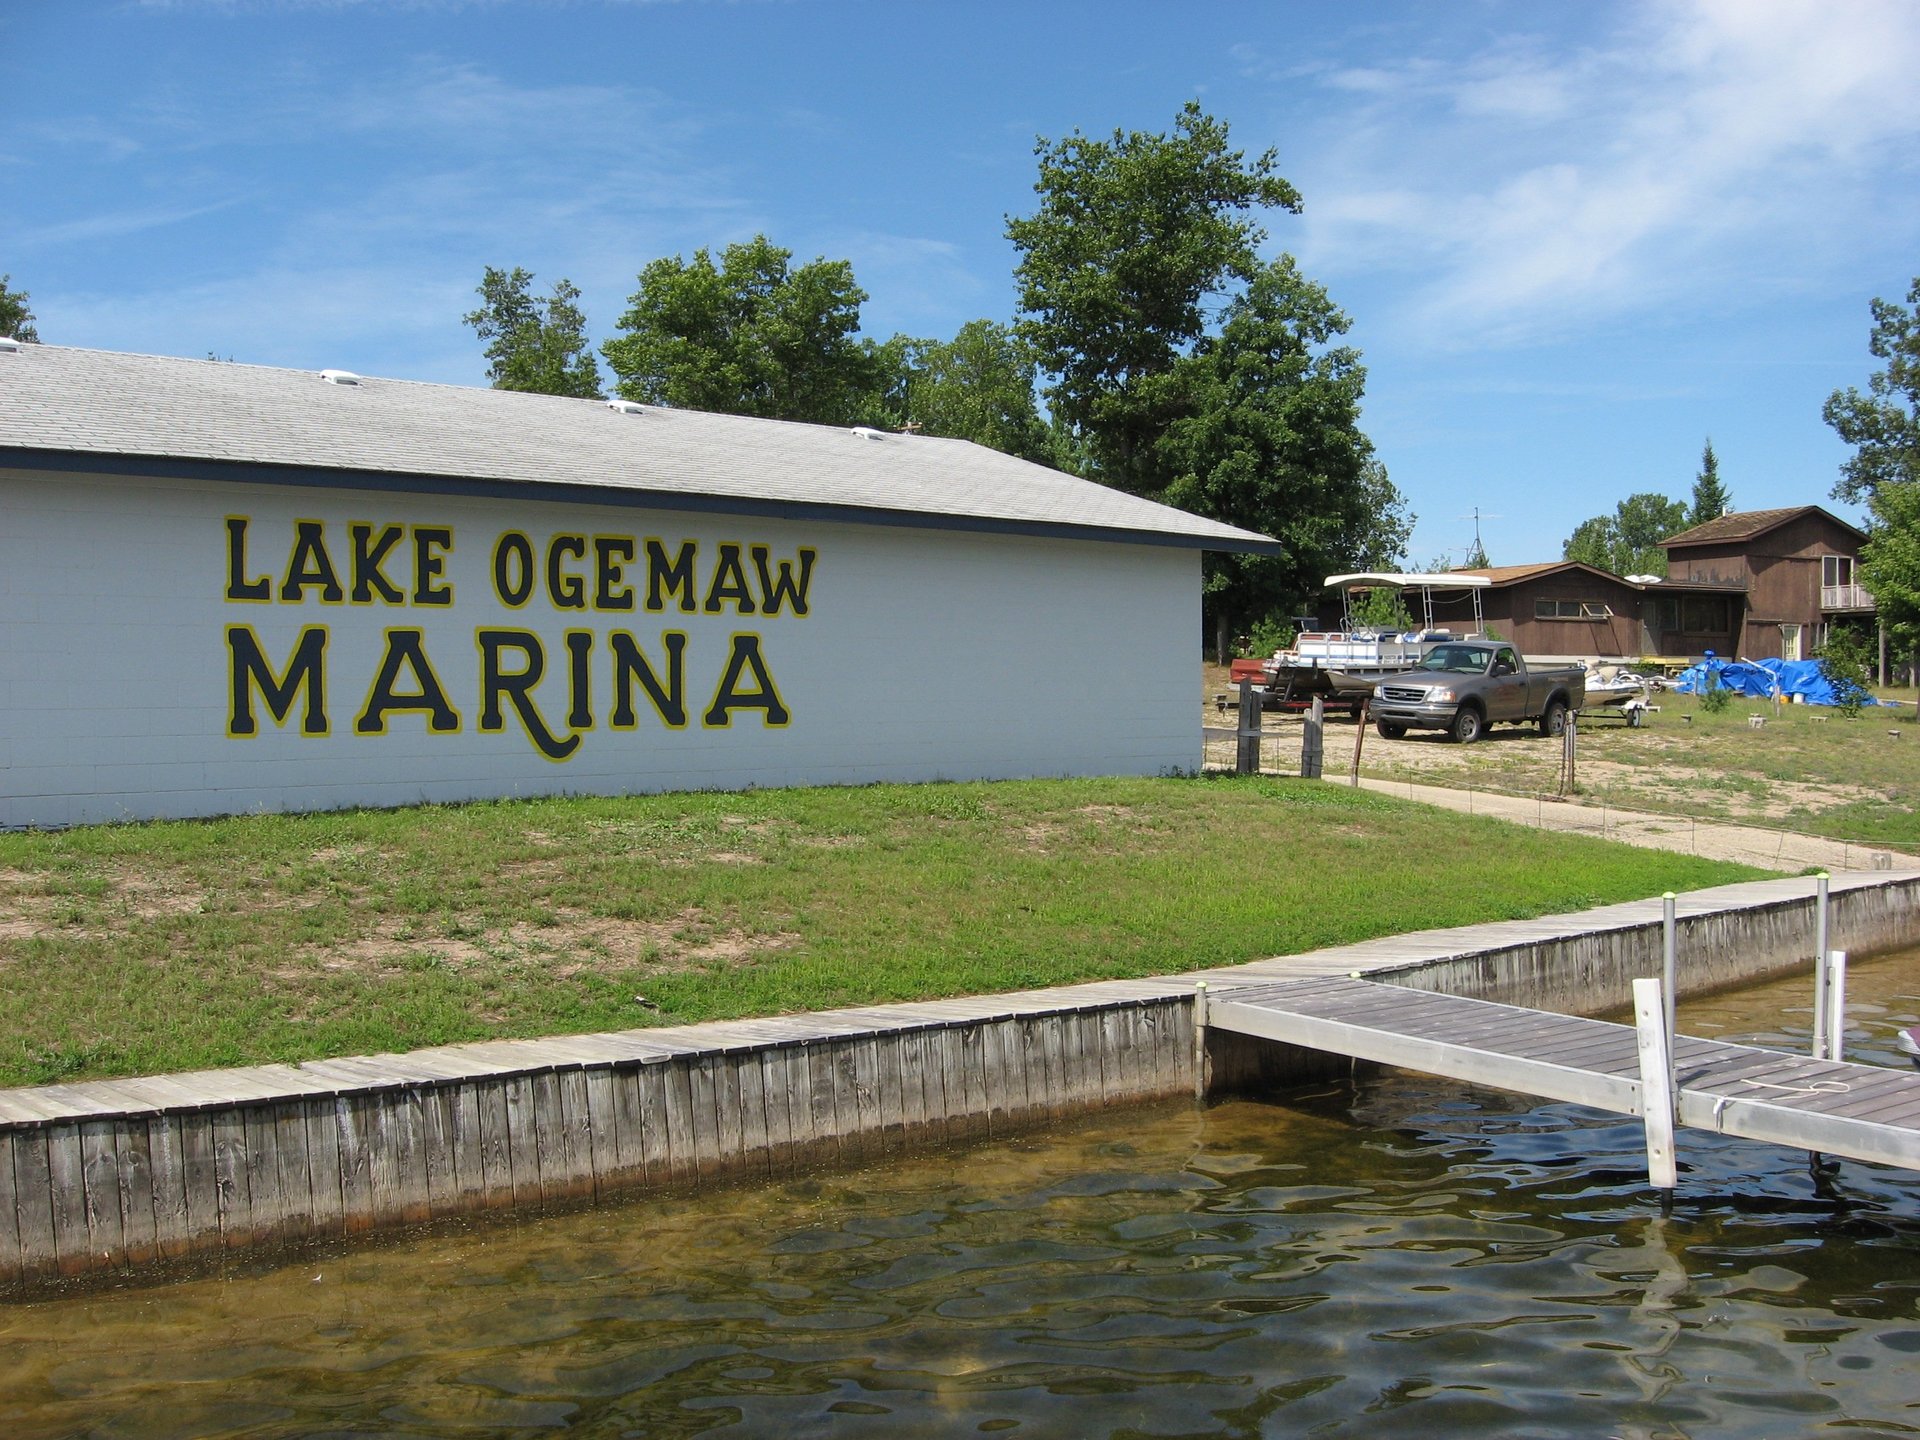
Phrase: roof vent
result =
(8, 345)
(1643, 579)
(340, 377)
(627, 407)
(867, 432)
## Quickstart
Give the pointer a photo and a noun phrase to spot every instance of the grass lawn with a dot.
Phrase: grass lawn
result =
(142, 948)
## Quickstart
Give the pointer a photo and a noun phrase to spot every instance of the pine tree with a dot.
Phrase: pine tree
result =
(1710, 497)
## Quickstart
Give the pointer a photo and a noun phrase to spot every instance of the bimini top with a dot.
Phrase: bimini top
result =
(1451, 580)
(103, 412)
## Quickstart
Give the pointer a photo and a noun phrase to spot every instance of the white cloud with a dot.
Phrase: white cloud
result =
(1525, 189)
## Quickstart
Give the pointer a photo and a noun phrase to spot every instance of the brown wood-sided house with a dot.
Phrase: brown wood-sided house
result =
(1758, 584)
(1797, 568)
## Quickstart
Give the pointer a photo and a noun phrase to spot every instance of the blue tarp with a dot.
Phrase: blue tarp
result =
(1762, 679)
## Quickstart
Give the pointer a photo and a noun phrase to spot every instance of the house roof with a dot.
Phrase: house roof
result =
(101, 411)
(1741, 525)
(1514, 574)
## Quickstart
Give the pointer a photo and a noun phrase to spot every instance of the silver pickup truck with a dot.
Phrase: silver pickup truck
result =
(1466, 685)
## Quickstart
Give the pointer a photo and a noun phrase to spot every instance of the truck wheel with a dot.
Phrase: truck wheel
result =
(1553, 720)
(1390, 729)
(1467, 725)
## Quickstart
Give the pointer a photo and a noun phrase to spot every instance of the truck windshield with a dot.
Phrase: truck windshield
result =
(1457, 660)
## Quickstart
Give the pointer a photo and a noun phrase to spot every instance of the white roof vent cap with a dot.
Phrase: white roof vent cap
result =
(867, 432)
(8, 345)
(1643, 579)
(340, 377)
(627, 407)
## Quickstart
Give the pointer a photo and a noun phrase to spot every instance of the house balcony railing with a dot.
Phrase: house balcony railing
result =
(1845, 597)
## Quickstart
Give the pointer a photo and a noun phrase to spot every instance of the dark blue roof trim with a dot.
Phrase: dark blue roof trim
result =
(171, 467)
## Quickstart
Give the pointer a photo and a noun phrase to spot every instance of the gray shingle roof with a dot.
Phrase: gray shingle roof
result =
(61, 401)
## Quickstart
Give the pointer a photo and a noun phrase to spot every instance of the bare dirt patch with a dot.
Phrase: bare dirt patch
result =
(577, 943)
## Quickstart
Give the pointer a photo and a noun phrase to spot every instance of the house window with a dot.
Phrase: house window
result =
(1571, 610)
(1836, 570)
(1704, 615)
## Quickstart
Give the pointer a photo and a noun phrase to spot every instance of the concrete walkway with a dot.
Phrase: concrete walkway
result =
(1715, 839)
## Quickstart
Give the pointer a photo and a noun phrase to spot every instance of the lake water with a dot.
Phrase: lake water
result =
(1403, 1257)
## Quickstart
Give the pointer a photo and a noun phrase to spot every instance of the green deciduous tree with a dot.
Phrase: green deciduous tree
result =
(534, 345)
(1711, 499)
(752, 335)
(1272, 442)
(16, 316)
(979, 386)
(1134, 238)
(1883, 426)
(1627, 541)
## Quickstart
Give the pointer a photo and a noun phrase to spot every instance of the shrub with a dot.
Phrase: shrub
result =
(1716, 697)
(1846, 661)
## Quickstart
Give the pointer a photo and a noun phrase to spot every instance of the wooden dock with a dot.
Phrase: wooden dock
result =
(1861, 1112)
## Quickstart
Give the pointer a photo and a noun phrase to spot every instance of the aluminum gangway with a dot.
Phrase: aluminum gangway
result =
(1861, 1112)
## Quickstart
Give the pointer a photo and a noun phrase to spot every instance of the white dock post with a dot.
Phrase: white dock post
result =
(1836, 1003)
(1200, 1040)
(1819, 1047)
(1669, 965)
(1656, 1084)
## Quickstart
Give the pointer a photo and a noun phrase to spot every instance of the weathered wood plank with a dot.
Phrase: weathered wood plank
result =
(496, 1143)
(861, 1064)
(33, 1202)
(353, 1147)
(913, 1096)
(523, 1145)
(682, 1162)
(408, 1133)
(1054, 1049)
(323, 1165)
(890, 1091)
(776, 1096)
(576, 1112)
(973, 1071)
(437, 1148)
(167, 1166)
(849, 1132)
(821, 1107)
(797, 1063)
(232, 1186)
(289, 1120)
(624, 1085)
(469, 1147)
(10, 1261)
(650, 1090)
(729, 1123)
(703, 1116)
(755, 1146)
(101, 1162)
(607, 1169)
(203, 1181)
(134, 1157)
(264, 1174)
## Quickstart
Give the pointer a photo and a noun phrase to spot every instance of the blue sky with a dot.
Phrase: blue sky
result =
(1575, 239)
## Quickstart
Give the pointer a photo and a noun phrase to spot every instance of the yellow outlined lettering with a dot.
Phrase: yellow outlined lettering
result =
(630, 664)
(248, 666)
(237, 587)
(517, 687)
(743, 658)
(406, 648)
(309, 566)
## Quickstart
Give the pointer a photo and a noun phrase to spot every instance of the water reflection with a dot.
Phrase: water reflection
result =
(1402, 1258)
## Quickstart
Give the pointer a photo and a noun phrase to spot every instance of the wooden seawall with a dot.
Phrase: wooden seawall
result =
(107, 1175)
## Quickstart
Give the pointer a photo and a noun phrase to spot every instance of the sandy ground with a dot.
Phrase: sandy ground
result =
(1434, 772)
